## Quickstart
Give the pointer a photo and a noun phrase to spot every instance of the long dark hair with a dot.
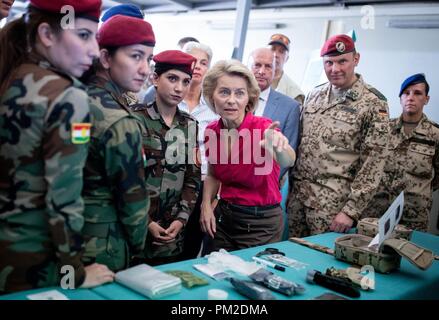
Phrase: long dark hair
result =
(96, 66)
(19, 37)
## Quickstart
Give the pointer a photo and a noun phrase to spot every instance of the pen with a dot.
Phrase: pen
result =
(269, 263)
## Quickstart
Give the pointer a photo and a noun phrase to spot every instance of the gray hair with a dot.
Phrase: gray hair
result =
(191, 45)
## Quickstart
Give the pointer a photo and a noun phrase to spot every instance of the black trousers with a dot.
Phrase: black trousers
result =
(193, 234)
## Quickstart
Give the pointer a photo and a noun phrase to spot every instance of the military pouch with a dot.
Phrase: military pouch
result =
(369, 227)
(353, 248)
(188, 279)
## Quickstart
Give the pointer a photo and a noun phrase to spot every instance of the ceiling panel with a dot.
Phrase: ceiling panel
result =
(156, 6)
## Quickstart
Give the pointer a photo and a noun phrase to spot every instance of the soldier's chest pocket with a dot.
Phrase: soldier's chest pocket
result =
(310, 123)
(153, 151)
(420, 159)
(340, 129)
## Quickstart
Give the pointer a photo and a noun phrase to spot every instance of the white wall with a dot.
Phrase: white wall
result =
(388, 55)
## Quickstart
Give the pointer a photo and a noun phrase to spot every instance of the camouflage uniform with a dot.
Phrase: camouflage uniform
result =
(173, 188)
(41, 163)
(340, 157)
(131, 98)
(116, 202)
(412, 166)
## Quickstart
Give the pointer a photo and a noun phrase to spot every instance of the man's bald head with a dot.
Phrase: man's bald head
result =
(262, 64)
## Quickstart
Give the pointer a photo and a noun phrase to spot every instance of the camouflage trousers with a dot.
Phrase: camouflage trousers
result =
(25, 270)
(166, 251)
(415, 213)
(27, 257)
(105, 244)
(415, 218)
(304, 221)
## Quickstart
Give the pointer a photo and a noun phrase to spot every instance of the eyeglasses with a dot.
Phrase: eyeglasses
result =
(280, 37)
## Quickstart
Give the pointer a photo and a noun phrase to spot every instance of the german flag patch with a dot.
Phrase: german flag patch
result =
(383, 113)
(81, 133)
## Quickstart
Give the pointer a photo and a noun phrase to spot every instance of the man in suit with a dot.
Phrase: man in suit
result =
(272, 104)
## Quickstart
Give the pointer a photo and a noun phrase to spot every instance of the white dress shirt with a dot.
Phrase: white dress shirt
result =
(263, 97)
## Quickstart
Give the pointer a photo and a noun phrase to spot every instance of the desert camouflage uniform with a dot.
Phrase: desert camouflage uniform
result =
(173, 188)
(412, 166)
(340, 157)
(41, 165)
(116, 202)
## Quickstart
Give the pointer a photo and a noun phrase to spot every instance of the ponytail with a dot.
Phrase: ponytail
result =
(19, 37)
(14, 46)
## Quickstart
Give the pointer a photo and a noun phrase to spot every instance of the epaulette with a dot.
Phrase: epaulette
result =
(322, 84)
(377, 93)
(138, 107)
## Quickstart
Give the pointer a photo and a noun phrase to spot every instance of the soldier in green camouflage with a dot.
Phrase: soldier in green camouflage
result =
(116, 200)
(173, 176)
(44, 134)
(342, 151)
(413, 161)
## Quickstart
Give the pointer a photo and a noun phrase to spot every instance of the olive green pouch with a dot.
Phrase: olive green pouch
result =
(353, 248)
(369, 227)
(188, 279)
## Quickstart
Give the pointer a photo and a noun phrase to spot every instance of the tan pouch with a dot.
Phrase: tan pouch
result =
(418, 256)
(353, 248)
(369, 227)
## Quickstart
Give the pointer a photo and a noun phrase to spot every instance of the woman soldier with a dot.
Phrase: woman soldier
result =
(116, 201)
(44, 134)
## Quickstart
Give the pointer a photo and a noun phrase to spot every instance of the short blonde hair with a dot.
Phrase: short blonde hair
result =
(234, 68)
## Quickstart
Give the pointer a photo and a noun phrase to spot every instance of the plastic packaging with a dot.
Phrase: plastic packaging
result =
(251, 290)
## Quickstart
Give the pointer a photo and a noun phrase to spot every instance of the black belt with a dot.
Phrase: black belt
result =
(257, 211)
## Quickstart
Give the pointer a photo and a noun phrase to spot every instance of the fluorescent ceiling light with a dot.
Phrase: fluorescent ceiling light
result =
(218, 25)
(413, 24)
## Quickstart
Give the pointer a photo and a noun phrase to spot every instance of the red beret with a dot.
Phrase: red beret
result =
(120, 30)
(174, 59)
(337, 45)
(83, 8)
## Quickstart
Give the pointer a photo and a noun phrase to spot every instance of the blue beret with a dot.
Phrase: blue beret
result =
(414, 79)
(129, 10)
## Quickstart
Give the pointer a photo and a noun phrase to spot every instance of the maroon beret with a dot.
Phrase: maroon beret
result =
(83, 8)
(120, 30)
(174, 59)
(337, 45)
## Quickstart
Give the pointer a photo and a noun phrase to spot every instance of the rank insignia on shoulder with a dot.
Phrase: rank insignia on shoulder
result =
(81, 133)
(377, 93)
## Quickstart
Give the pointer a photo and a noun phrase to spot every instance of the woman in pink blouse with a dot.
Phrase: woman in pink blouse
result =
(244, 153)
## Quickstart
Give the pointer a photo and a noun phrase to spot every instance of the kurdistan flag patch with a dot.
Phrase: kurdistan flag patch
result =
(81, 133)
